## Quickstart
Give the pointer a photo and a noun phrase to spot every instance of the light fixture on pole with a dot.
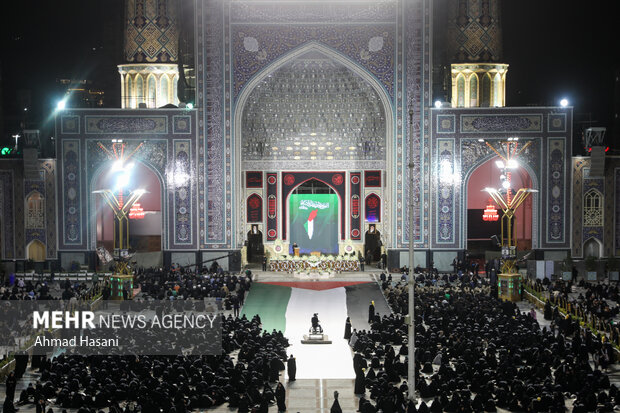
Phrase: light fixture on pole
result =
(124, 206)
(509, 279)
(508, 152)
(411, 282)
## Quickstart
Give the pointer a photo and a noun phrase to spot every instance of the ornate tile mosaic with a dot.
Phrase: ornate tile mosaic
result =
(181, 125)
(182, 183)
(7, 211)
(545, 161)
(126, 125)
(151, 34)
(71, 190)
(171, 160)
(69, 124)
(444, 181)
(445, 124)
(369, 11)
(556, 178)
(501, 123)
(556, 122)
(255, 47)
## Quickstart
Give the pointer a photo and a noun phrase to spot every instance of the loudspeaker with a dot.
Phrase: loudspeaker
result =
(234, 261)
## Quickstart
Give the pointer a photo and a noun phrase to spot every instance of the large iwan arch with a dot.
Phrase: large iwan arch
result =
(315, 49)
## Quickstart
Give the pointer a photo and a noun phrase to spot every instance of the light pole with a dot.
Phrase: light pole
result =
(122, 208)
(508, 151)
(411, 281)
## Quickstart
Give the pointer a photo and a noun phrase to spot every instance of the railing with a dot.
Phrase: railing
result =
(71, 276)
(597, 325)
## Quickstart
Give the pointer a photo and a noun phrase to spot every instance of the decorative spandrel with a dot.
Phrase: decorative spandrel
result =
(313, 109)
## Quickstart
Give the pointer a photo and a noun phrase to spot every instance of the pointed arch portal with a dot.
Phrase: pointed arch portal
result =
(319, 130)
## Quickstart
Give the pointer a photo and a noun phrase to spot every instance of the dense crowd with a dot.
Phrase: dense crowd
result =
(475, 353)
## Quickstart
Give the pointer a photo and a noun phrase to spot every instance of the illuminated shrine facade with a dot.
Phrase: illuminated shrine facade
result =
(287, 93)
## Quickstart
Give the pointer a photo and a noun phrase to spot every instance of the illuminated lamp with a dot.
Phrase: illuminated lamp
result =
(490, 213)
(136, 212)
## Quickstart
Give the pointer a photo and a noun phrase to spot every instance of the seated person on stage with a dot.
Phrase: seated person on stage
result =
(316, 327)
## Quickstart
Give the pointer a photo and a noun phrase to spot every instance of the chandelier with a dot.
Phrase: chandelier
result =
(490, 213)
(137, 212)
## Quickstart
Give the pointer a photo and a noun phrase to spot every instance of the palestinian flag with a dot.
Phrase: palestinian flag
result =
(289, 306)
(309, 224)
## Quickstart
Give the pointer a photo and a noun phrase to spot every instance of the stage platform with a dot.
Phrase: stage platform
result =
(309, 340)
(314, 264)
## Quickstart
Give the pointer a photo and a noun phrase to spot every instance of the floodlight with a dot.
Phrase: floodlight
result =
(512, 164)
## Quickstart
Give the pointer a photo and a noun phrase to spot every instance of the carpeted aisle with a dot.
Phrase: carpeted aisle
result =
(289, 306)
(326, 361)
(269, 302)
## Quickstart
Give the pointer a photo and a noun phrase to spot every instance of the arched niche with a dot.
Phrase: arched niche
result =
(309, 51)
(477, 231)
(36, 250)
(145, 234)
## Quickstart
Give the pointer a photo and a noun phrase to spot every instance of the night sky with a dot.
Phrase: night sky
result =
(554, 49)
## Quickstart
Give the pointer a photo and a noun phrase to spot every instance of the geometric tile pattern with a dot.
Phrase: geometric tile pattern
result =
(236, 41)
(415, 97)
(69, 124)
(7, 213)
(501, 123)
(444, 213)
(151, 33)
(598, 184)
(71, 189)
(557, 122)
(126, 125)
(578, 165)
(556, 178)
(274, 41)
(182, 184)
(551, 205)
(445, 124)
(474, 31)
(299, 112)
(81, 160)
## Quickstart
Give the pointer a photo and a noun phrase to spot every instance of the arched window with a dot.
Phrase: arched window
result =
(129, 93)
(485, 91)
(163, 90)
(460, 87)
(497, 96)
(473, 90)
(152, 94)
(35, 213)
(175, 98)
(36, 251)
(593, 209)
(139, 90)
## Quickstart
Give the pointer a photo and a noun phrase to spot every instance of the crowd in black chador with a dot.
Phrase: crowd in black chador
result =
(475, 353)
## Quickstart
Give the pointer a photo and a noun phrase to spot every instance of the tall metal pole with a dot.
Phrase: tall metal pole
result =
(411, 283)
